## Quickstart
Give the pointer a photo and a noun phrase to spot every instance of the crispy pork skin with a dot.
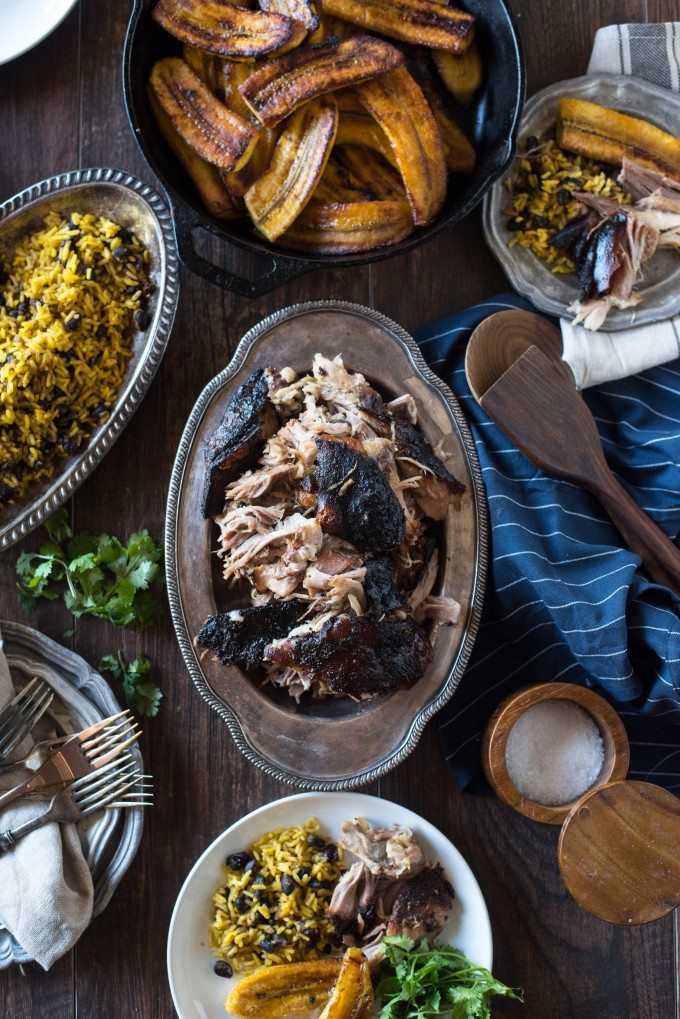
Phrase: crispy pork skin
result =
(422, 905)
(355, 501)
(241, 636)
(358, 657)
(250, 419)
(438, 488)
(380, 585)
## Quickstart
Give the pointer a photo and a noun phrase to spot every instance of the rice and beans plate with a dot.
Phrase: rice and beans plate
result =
(72, 294)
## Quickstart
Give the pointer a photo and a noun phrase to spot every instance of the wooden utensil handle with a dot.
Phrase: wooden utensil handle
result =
(660, 556)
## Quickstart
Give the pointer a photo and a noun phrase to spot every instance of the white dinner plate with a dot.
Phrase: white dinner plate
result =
(25, 23)
(199, 994)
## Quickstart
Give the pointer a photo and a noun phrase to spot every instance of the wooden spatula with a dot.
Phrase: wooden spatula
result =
(538, 407)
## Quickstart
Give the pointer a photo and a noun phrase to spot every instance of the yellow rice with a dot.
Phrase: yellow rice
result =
(545, 176)
(67, 308)
(255, 922)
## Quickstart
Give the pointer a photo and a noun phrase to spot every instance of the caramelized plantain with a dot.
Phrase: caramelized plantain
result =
(284, 83)
(372, 171)
(460, 72)
(352, 996)
(206, 177)
(460, 154)
(272, 992)
(298, 10)
(339, 184)
(422, 22)
(331, 28)
(228, 30)
(276, 199)
(400, 108)
(357, 127)
(608, 136)
(206, 67)
(205, 124)
(342, 228)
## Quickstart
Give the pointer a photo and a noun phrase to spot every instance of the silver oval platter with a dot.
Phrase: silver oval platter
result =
(331, 743)
(110, 839)
(129, 202)
(530, 275)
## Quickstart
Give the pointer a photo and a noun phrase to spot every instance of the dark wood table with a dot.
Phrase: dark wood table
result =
(61, 107)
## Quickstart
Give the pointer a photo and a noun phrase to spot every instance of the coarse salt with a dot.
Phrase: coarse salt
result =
(554, 752)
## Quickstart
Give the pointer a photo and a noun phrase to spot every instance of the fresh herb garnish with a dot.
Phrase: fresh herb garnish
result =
(141, 696)
(422, 980)
(97, 575)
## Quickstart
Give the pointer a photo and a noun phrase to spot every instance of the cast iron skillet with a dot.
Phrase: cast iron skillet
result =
(494, 124)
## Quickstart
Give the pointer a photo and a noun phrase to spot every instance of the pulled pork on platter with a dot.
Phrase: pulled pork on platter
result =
(390, 890)
(323, 496)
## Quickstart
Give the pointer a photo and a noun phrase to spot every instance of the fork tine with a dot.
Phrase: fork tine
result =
(109, 737)
(100, 797)
(98, 726)
(21, 705)
(119, 724)
(37, 693)
(109, 773)
(32, 716)
(99, 761)
(25, 691)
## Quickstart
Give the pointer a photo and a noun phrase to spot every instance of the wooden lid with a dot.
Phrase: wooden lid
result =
(619, 852)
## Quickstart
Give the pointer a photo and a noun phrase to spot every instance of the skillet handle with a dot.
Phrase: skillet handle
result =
(283, 268)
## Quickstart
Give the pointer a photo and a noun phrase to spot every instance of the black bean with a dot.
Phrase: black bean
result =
(71, 444)
(22, 308)
(120, 253)
(531, 142)
(303, 872)
(515, 224)
(240, 903)
(260, 895)
(252, 867)
(9, 466)
(45, 404)
(268, 945)
(541, 221)
(6, 492)
(331, 852)
(316, 841)
(237, 861)
(99, 411)
(260, 918)
(223, 969)
(13, 312)
(287, 884)
(316, 883)
(142, 318)
(126, 235)
(101, 333)
(132, 289)
(73, 323)
(563, 196)
(311, 933)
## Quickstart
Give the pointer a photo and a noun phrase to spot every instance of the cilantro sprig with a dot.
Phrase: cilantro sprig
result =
(422, 980)
(96, 575)
(141, 696)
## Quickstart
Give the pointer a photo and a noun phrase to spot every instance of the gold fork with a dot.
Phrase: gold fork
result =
(73, 760)
(96, 736)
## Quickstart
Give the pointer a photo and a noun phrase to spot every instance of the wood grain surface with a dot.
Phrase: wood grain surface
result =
(61, 107)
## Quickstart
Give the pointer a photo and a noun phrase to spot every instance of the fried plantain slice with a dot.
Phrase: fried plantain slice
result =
(331, 28)
(339, 184)
(238, 181)
(401, 110)
(205, 66)
(206, 177)
(226, 30)
(460, 154)
(357, 127)
(205, 124)
(284, 83)
(461, 72)
(421, 22)
(277, 198)
(272, 992)
(298, 10)
(341, 228)
(352, 996)
(372, 171)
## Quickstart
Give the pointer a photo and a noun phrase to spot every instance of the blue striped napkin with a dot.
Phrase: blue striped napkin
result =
(566, 600)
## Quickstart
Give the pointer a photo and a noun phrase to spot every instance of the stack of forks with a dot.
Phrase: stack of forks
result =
(89, 771)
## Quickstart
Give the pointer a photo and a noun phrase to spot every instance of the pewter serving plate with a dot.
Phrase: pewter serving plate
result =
(129, 202)
(331, 743)
(111, 838)
(530, 275)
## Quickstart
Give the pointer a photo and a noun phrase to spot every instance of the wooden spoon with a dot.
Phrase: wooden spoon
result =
(540, 410)
(500, 339)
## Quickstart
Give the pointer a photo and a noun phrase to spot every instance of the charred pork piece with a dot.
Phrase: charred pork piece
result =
(249, 420)
(358, 657)
(355, 500)
(386, 852)
(422, 905)
(438, 487)
(240, 637)
(380, 585)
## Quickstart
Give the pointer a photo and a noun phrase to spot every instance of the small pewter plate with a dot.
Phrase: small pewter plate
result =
(332, 743)
(129, 202)
(530, 275)
(110, 839)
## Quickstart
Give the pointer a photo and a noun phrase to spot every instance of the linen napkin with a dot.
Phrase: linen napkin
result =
(46, 890)
(566, 599)
(651, 52)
